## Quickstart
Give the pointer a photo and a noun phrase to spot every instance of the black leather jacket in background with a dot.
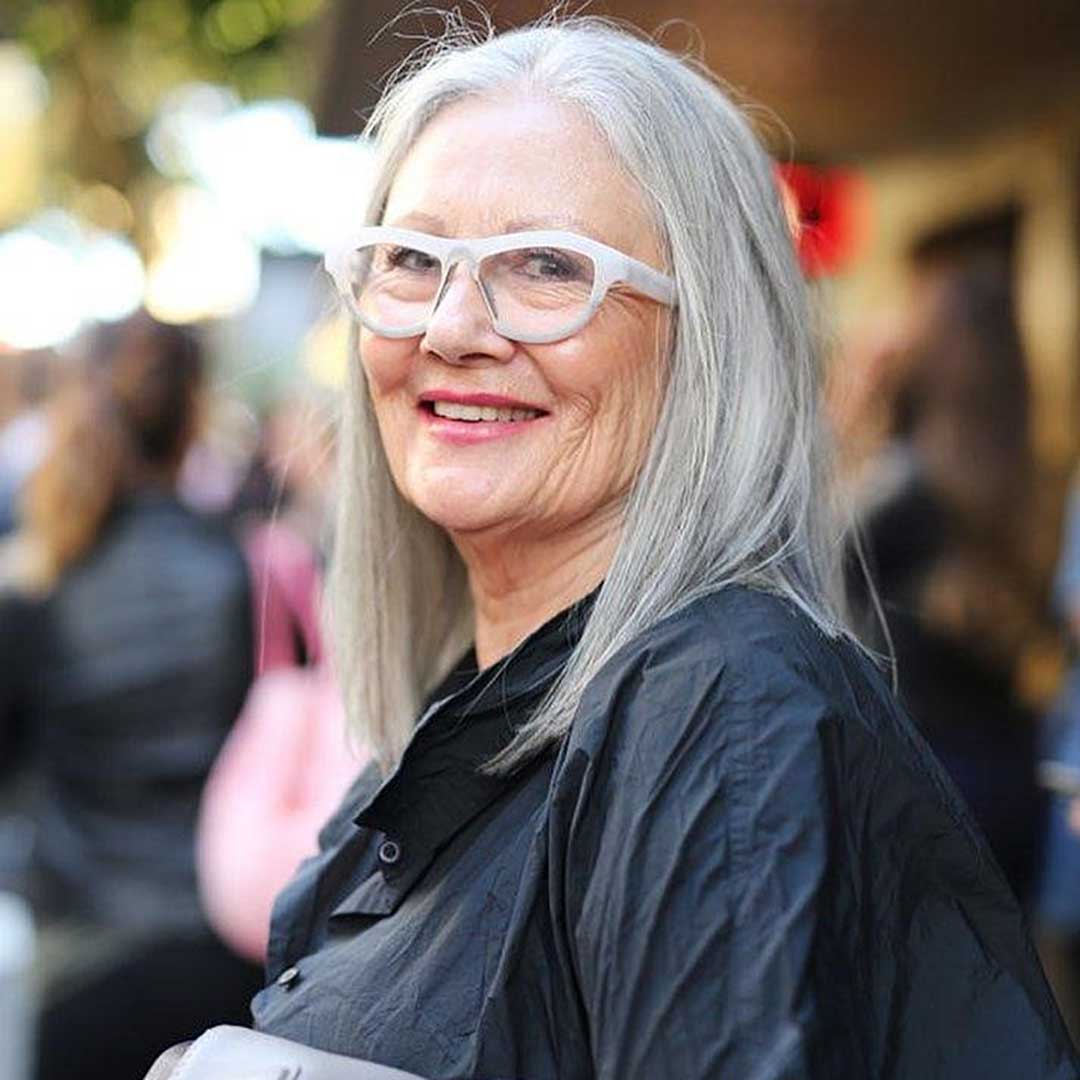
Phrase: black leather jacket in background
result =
(116, 693)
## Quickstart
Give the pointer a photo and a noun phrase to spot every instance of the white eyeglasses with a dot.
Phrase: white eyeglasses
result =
(538, 286)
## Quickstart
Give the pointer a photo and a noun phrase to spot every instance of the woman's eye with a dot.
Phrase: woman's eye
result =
(553, 265)
(410, 259)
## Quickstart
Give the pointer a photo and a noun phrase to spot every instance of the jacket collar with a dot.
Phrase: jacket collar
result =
(438, 786)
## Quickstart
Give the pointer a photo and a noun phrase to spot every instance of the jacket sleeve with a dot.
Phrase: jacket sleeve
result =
(695, 866)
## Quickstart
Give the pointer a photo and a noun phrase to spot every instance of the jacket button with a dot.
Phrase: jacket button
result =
(288, 977)
(389, 852)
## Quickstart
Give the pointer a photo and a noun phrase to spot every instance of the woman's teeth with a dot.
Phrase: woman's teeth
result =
(453, 411)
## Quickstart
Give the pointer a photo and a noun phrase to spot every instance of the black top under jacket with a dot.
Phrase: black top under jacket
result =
(741, 863)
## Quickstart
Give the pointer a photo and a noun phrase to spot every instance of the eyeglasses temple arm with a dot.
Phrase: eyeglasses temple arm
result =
(651, 282)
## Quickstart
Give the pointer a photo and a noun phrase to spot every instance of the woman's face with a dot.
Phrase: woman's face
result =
(481, 169)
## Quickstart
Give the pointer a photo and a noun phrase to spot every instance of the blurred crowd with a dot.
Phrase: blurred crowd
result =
(170, 727)
(170, 731)
(932, 409)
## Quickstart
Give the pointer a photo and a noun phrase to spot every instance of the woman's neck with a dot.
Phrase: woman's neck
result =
(518, 585)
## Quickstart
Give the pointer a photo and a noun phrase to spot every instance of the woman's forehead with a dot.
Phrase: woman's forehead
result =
(486, 167)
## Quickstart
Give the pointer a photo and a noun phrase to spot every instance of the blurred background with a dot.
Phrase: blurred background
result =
(195, 158)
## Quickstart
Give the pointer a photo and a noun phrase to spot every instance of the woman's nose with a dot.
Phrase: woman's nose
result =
(461, 325)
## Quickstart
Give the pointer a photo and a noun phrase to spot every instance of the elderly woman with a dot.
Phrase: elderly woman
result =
(662, 817)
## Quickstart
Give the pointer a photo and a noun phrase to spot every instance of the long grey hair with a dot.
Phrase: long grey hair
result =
(734, 488)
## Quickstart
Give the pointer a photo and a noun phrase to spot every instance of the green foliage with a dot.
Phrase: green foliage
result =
(111, 11)
(110, 62)
(207, 38)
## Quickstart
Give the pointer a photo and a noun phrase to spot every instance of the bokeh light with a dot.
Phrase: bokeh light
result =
(24, 93)
(58, 275)
(289, 190)
(40, 303)
(206, 267)
(113, 278)
(183, 118)
(241, 180)
(324, 354)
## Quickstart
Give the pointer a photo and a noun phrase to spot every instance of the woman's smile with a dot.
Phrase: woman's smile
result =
(465, 419)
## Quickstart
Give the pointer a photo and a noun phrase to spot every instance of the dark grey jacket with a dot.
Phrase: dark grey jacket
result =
(115, 695)
(742, 864)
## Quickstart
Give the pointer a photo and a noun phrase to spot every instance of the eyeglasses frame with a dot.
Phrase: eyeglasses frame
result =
(613, 267)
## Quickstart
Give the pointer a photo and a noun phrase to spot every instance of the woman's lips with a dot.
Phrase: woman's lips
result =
(466, 419)
(452, 410)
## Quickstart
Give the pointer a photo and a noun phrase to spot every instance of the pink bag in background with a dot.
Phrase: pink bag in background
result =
(279, 777)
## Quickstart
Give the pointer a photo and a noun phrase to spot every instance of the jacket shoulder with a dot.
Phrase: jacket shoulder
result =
(731, 655)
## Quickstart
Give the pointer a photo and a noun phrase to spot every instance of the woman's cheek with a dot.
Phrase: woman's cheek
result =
(387, 362)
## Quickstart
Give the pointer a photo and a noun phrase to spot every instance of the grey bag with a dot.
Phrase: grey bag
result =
(234, 1053)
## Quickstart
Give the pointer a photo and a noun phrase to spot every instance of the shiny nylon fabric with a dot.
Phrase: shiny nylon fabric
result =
(741, 863)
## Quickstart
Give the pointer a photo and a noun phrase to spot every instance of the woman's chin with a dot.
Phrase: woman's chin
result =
(463, 508)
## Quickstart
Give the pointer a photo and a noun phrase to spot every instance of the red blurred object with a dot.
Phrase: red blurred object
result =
(827, 209)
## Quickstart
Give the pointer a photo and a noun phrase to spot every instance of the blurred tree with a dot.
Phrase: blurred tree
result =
(109, 62)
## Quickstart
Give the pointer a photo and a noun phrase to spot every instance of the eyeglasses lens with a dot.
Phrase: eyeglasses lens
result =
(394, 287)
(534, 291)
(538, 291)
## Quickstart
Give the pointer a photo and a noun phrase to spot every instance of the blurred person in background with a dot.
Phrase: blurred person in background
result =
(285, 767)
(944, 505)
(287, 762)
(281, 513)
(640, 806)
(1058, 907)
(126, 655)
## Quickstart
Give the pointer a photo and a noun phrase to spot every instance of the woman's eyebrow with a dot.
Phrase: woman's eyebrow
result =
(436, 226)
(417, 219)
(551, 221)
